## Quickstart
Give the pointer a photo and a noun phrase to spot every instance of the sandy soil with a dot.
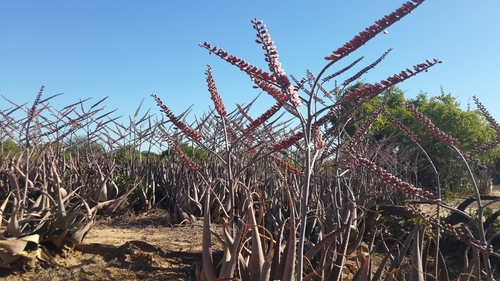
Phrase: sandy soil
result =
(182, 245)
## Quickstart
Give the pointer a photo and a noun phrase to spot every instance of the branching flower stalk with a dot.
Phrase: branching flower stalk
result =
(221, 110)
(367, 92)
(311, 139)
(32, 113)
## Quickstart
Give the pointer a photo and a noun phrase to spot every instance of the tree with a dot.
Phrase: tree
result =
(127, 152)
(83, 146)
(468, 126)
(195, 154)
(150, 154)
(9, 147)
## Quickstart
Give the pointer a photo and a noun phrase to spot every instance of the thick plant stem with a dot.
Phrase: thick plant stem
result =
(231, 204)
(438, 231)
(23, 204)
(304, 196)
(303, 213)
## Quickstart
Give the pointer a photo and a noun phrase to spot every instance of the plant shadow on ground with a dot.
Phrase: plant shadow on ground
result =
(179, 251)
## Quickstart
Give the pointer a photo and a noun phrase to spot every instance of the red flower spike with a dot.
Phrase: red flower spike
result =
(278, 95)
(286, 143)
(212, 88)
(430, 128)
(318, 138)
(374, 29)
(264, 117)
(180, 154)
(364, 128)
(487, 115)
(188, 131)
(369, 91)
(385, 176)
(327, 116)
(401, 126)
(246, 67)
(286, 166)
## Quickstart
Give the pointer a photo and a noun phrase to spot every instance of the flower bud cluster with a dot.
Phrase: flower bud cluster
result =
(365, 70)
(353, 165)
(328, 151)
(400, 125)
(487, 115)
(232, 134)
(359, 134)
(317, 137)
(337, 73)
(430, 128)
(260, 77)
(370, 90)
(4, 129)
(396, 182)
(183, 127)
(32, 112)
(244, 113)
(328, 116)
(370, 32)
(286, 166)
(251, 70)
(249, 137)
(212, 88)
(264, 117)
(465, 236)
(271, 90)
(374, 194)
(482, 148)
(286, 143)
(271, 57)
(180, 154)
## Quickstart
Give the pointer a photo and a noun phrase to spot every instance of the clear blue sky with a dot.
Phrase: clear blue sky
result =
(129, 49)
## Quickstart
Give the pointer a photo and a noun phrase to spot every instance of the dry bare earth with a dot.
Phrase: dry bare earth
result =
(431, 209)
(176, 249)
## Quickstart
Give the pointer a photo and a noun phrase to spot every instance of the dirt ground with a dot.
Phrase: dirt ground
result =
(176, 251)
